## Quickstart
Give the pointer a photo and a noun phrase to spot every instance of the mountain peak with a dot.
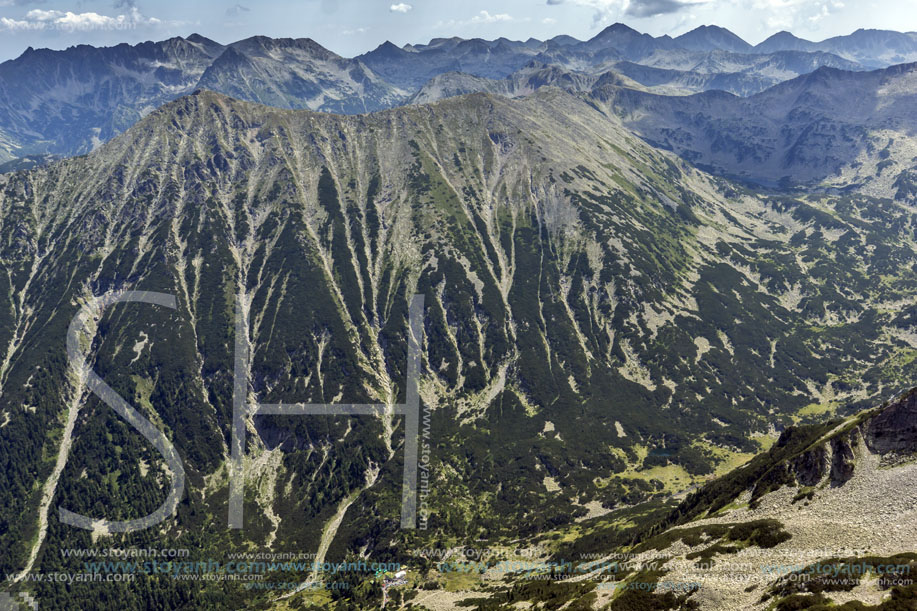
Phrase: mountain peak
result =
(198, 39)
(711, 38)
(625, 41)
(618, 28)
(438, 42)
(781, 36)
(706, 28)
(314, 47)
(784, 41)
(387, 51)
(564, 40)
(264, 44)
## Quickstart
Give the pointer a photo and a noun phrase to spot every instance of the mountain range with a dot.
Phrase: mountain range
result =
(665, 353)
(834, 128)
(67, 102)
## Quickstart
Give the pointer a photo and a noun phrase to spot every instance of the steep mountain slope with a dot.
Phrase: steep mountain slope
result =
(819, 521)
(834, 128)
(844, 493)
(299, 73)
(7, 147)
(27, 162)
(68, 102)
(579, 284)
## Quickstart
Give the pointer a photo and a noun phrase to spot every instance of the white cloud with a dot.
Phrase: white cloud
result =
(19, 2)
(549, 21)
(485, 17)
(482, 18)
(615, 10)
(794, 14)
(777, 4)
(401, 7)
(819, 16)
(236, 10)
(38, 19)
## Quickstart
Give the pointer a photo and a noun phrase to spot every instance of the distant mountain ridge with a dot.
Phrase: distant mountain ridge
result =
(830, 127)
(298, 73)
(873, 48)
(68, 102)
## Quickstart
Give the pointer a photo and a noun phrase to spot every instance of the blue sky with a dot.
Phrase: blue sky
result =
(350, 27)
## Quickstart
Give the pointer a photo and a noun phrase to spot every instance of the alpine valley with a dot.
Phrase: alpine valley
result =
(669, 322)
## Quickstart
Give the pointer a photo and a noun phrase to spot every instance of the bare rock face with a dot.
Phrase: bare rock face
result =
(894, 430)
(813, 465)
(842, 460)
(810, 467)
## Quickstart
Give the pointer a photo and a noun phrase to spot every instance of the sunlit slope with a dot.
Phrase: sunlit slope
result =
(602, 320)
